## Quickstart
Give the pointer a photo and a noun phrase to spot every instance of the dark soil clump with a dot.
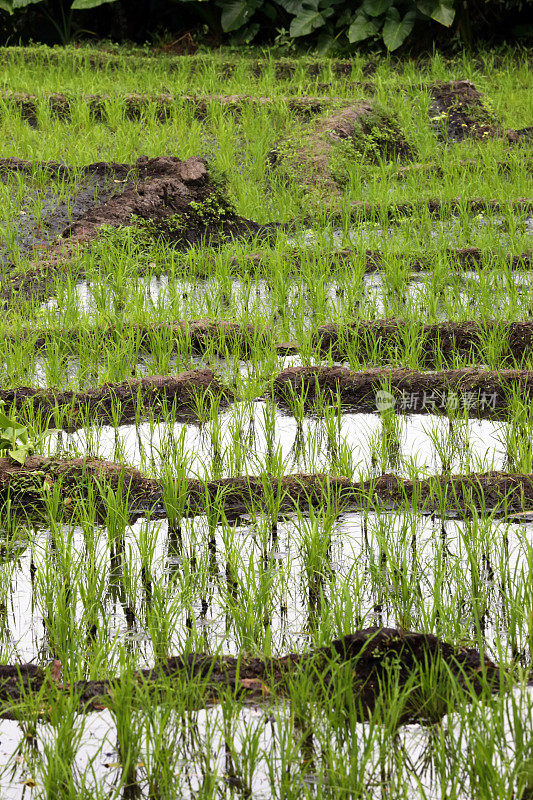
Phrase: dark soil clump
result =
(465, 114)
(462, 108)
(484, 393)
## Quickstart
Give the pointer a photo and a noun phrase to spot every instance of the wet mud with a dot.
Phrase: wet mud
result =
(366, 663)
(483, 393)
(514, 339)
(162, 198)
(161, 106)
(122, 401)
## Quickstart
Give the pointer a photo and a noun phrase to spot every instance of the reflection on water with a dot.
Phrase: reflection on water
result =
(244, 437)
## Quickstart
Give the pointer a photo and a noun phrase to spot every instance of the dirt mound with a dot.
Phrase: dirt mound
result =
(174, 199)
(483, 393)
(377, 660)
(321, 154)
(465, 114)
(164, 197)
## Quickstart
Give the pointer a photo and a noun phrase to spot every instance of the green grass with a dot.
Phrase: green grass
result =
(107, 598)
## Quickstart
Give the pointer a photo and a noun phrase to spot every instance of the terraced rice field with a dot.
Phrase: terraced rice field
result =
(267, 477)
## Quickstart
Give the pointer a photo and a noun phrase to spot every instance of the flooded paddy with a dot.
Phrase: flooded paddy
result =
(263, 579)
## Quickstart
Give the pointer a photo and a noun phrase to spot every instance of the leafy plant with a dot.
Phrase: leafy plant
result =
(14, 439)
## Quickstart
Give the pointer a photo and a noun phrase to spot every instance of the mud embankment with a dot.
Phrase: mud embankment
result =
(470, 339)
(160, 107)
(435, 206)
(463, 258)
(373, 660)
(119, 402)
(197, 336)
(28, 488)
(482, 393)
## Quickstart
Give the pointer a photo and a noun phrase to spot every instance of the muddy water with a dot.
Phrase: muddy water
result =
(245, 436)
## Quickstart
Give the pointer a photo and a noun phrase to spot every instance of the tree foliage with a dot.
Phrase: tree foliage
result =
(323, 24)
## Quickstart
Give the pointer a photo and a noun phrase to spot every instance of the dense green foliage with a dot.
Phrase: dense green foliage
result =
(325, 25)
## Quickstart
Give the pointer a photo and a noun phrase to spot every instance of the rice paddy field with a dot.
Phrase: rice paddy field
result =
(266, 485)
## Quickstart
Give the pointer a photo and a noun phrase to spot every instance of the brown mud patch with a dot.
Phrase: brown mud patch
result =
(161, 106)
(364, 337)
(164, 197)
(118, 401)
(198, 335)
(483, 393)
(465, 115)
(366, 663)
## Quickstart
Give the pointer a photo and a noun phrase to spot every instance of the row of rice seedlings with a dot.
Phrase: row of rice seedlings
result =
(264, 583)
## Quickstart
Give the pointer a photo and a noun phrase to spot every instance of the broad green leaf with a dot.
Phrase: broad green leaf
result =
(24, 3)
(19, 455)
(6, 5)
(237, 13)
(376, 7)
(396, 30)
(79, 5)
(292, 6)
(308, 20)
(362, 28)
(440, 10)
